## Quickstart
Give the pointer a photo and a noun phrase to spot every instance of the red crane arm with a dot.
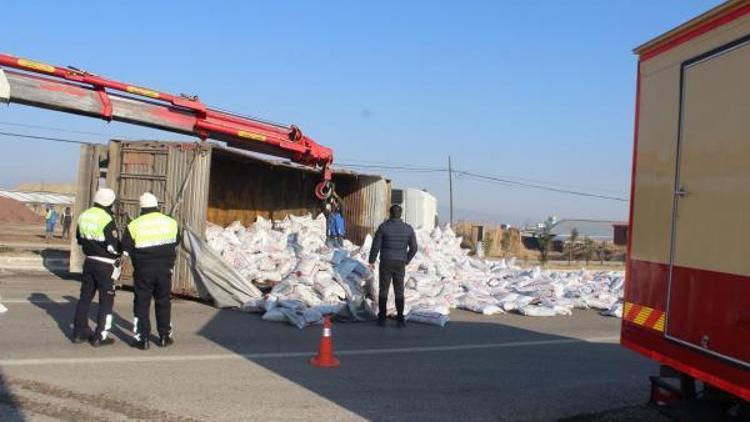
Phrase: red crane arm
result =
(77, 91)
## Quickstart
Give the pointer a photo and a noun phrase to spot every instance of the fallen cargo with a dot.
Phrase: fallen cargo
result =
(307, 279)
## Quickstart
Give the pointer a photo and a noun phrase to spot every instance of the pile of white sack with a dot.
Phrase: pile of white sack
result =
(310, 279)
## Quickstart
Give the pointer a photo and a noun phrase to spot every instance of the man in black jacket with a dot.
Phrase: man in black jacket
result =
(396, 243)
(97, 235)
(150, 241)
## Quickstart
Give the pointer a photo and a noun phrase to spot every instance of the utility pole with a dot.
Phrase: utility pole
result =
(450, 188)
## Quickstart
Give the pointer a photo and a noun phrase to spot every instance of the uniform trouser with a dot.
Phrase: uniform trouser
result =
(391, 271)
(97, 276)
(156, 284)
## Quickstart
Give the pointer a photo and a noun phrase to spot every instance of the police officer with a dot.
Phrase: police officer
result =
(396, 244)
(97, 235)
(150, 240)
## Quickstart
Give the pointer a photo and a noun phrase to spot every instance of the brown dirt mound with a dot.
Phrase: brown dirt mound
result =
(12, 211)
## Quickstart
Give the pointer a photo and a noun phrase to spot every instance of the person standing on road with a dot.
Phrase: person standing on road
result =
(67, 221)
(396, 243)
(97, 235)
(150, 241)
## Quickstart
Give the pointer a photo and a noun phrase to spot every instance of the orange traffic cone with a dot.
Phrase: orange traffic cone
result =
(325, 357)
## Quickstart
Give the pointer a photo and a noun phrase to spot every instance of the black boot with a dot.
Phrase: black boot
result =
(141, 343)
(400, 322)
(98, 341)
(165, 341)
(400, 308)
(382, 310)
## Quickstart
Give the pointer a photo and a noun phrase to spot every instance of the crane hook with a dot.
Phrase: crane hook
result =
(324, 189)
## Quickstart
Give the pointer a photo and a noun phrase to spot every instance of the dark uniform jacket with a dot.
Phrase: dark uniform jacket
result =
(106, 247)
(395, 241)
(155, 255)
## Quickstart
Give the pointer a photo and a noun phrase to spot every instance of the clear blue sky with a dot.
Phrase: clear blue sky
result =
(542, 92)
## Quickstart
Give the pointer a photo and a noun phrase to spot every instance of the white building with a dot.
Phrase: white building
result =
(420, 207)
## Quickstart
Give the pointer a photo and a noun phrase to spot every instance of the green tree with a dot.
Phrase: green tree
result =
(572, 243)
(505, 241)
(601, 251)
(544, 240)
(588, 249)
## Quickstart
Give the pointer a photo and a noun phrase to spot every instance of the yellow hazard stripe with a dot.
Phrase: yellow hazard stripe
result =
(644, 315)
(142, 91)
(36, 65)
(251, 135)
(626, 309)
(659, 325)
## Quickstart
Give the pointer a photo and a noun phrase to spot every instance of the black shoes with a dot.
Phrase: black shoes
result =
(98, 341)
(400, 322)
(141, 344)
(165, 341)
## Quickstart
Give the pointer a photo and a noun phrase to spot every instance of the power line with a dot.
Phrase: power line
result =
(57, 129)
(541, 187)
(44, 138)
(394, 168)
(506, 181)
(511, 179)
(382, 163)
(415, 169)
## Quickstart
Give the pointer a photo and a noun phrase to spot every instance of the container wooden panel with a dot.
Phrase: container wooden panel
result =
(89, 171)
(177, 173)
(243, 188)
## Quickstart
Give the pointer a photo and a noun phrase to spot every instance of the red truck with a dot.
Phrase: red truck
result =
(687, 293)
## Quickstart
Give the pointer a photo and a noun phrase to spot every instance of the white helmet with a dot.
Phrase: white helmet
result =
(148, 200)
(104, 197)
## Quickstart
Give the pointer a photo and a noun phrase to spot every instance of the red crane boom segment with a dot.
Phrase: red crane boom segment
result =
(77, 91)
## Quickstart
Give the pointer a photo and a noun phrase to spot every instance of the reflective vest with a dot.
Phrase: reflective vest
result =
(91, 224)
(153, 229)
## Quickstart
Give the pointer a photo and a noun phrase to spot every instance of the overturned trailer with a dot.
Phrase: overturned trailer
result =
(199, 182)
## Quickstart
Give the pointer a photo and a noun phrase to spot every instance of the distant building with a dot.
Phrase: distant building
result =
(420, 207)
(597, 230)
(620, 233)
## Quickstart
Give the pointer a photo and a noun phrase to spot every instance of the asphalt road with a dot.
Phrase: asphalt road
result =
(227, 365)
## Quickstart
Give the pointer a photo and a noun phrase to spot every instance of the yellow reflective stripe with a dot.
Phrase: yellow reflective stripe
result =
(91, 224)
(659, 325)
(153, 229)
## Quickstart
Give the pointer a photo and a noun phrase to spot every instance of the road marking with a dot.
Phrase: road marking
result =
(31, 301)
(278, 355)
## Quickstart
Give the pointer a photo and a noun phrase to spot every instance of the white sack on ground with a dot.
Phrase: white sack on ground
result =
(309, 279)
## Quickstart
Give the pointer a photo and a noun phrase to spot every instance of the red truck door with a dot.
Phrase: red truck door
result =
(709, 289)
